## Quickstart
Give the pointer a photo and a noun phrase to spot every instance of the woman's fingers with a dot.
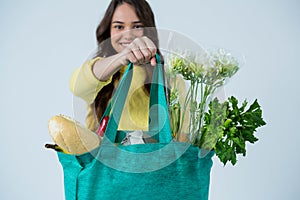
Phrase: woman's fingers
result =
(141, 51)
(150, 46)
(153, 61)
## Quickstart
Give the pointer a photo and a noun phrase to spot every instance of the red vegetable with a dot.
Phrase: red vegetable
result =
(102, 126)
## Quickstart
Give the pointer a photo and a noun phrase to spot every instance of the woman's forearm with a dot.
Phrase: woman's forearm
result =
(104, 68)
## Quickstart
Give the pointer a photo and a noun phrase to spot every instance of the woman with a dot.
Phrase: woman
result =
(122, 38)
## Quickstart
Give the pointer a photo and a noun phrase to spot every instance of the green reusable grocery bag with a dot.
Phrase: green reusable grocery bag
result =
(162, 170)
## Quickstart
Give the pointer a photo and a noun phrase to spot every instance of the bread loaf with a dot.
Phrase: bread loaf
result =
(71, 135)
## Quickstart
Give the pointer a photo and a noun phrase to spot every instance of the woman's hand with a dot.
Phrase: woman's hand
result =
(140, 51)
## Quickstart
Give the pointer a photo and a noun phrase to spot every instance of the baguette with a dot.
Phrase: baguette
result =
(71, 135)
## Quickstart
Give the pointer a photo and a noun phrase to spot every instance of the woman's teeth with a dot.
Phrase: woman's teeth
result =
(125, 44)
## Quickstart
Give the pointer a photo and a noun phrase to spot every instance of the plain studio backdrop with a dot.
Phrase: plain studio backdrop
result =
(41, 43)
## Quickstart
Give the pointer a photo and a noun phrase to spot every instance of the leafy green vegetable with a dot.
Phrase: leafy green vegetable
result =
(214, 121)
(227, 127)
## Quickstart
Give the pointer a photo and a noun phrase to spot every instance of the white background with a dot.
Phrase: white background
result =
(41, 42)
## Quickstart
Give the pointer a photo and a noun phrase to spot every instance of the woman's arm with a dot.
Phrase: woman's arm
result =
(89, 79)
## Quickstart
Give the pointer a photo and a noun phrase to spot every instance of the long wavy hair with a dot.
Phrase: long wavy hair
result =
(105, 49)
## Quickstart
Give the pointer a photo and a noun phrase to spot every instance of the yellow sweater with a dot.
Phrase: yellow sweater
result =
(85, 85)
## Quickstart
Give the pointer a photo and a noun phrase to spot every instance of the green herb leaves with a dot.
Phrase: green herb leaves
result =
(229, 127)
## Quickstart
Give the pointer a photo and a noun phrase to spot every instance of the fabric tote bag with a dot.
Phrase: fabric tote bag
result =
(160, 170)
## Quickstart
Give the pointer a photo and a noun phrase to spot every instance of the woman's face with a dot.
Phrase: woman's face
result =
(125, 27)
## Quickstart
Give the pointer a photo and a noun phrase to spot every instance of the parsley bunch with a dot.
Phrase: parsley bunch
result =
(227, 127)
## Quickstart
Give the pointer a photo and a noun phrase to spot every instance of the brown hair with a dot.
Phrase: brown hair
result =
(146, 16)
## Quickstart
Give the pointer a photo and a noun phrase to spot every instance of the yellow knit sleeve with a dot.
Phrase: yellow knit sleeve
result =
(84, 84)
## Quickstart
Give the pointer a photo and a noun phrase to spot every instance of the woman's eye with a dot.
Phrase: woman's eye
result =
(139, 26)
(118, 27)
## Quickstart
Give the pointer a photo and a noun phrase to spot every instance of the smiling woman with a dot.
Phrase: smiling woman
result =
(126, 34)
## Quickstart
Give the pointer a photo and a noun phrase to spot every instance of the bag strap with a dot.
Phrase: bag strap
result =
(159, 124)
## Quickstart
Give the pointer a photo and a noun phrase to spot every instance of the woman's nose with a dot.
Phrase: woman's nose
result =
(129, 34)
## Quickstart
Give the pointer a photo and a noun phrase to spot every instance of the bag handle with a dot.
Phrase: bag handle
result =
(158, 111)
(159, 123)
